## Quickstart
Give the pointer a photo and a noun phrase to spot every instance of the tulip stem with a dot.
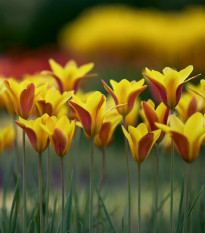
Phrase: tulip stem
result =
(48, 184)
(40, 193)
(128, 178)
(62, 186)
(101, 185)
(157, 187)
(91, 186)
(171, 187)
(24, 183)
(139, 199)
(186, 187)
(16, 144)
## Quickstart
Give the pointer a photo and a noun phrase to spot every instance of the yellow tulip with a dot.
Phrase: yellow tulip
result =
(61, 132)
(36, 135)
(151, 115)
(90, 113)
(7, 137)
(23, 96)
(69, 76)
(170, 83)
(187, 137)
(52, 103)
(140, 141)
(125, 93)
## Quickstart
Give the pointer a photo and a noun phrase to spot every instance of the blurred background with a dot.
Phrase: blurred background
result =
(119, 35)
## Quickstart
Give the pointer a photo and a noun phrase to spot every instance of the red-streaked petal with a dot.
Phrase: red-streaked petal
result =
(150, 115)
(181, 144)
(44, 107)
(132, 97)
(59, 141)
(102, 100)
(30, 133)
(166, 115)
(27, 100)
(160, 88)
(192, 107)
(111, 92)
(144, 147)
(84, 117)
(104, 132)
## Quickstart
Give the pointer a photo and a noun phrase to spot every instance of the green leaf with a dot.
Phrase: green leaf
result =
(180, 215)
(53, 216)
(68, 206)
(106, 212)
(13, 204)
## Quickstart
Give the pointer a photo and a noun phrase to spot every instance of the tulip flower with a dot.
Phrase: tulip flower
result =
(188, 105)
(36, 135)
(52, 103)
(23, 96)
(39, 141)
(90, 113)
(125, 93)
(151, 115)
(61, 132)
(69, 76)
(170, 83)
(7, 137)
(141, 142)
(187, 137)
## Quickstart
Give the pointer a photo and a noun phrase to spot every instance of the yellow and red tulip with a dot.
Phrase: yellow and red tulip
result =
(69, 76)
(125, 93)
(104, 137)
(52, 103)
(23, 96)
(170, 83)
(61, 131)
(187, 137)
(151, 115)
(7, 137)
(140, 141)
(36, 135)
(91, 113)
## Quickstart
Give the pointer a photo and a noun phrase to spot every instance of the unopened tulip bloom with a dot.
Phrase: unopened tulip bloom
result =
(90, 113)
(169, 84)
(187, 137)
(52, 103)
(23, 96)
(36, 135)
(125, 93)
(151, 115)
(69, 76)
(140, 141)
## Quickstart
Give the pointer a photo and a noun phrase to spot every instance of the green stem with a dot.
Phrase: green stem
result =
(128, 179)
(157, 187)
(101, 185)
(62, 186)
(40, 193)
(171, 188)
(91, 186)
(24, 184)
(16, 144)
(139, 200)
(48, 184)
(186, 188)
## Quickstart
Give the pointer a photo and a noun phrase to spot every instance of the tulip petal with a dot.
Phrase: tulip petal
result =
(30, 133)
(84, 116)
(129, 138)
(27, 100)
(59, 141)
(111, 92)
(192, 108)
(160, 88)
(44, 107)
(150, 115)
(145, 145)
(182, 144)
(132, 97)
(185, 72)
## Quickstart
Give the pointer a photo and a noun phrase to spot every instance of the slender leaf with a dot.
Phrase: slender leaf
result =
(53, 216)
(30, 226)
(68, 206)
(81, 227)
(180, 215)
(106, 212)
